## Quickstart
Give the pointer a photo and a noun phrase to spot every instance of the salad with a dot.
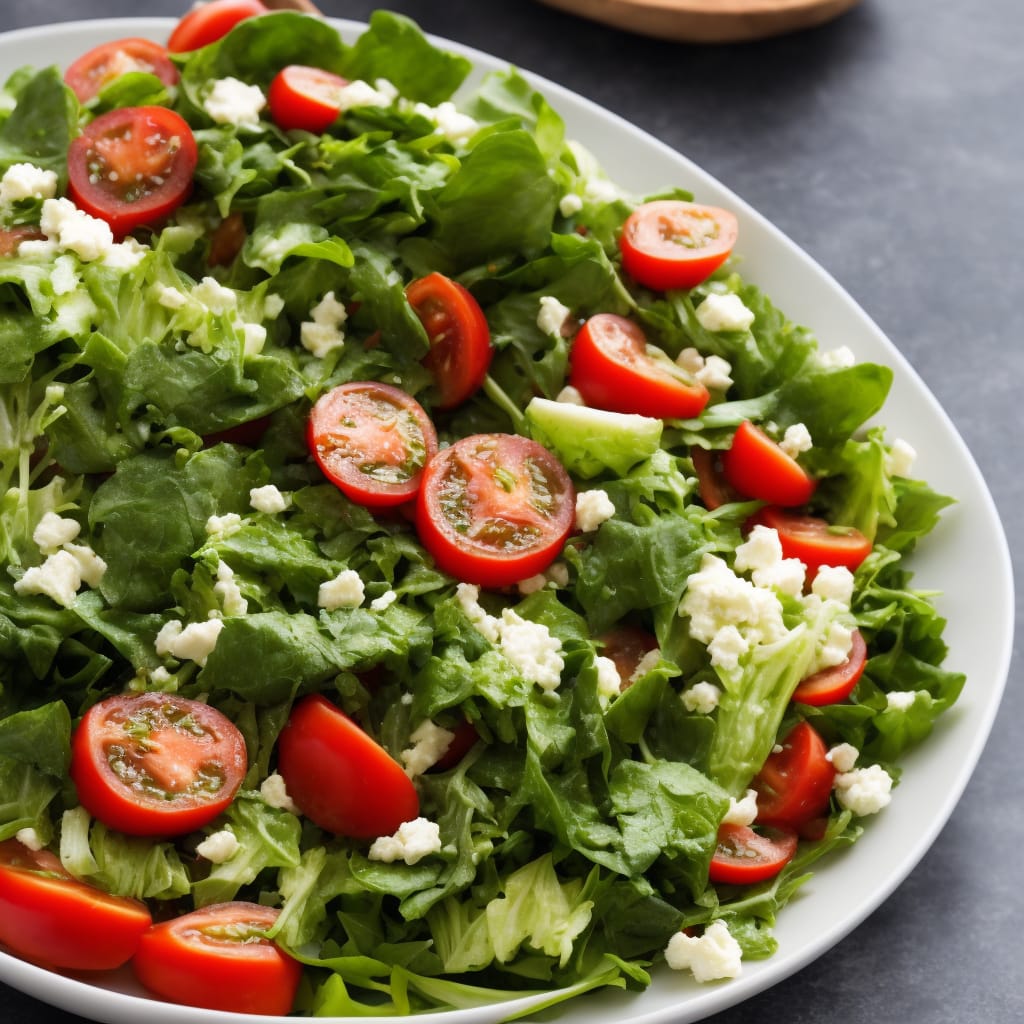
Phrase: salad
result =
(432, 574)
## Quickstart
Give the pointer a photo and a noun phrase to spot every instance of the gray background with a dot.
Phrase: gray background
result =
(888, 145)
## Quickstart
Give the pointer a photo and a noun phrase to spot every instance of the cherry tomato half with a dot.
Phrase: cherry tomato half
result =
(304, 97)
(460, 340)
(757, 467)
(339, 776)
(610, 367)
(132, 166)
(371, 441)
(494, 509)
(794, 784)
(627, 646)
(712, 487)
(744, 856)
(219, 958)
(836, 683)
(156, 764)
(670, 243)
(209, 22)
(814, 541)
(102, 64)
(51, 918)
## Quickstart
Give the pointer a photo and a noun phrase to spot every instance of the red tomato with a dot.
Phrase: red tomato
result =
(463, 740)
(304, 97)
(626, 646)
(250, 434)
(371, 441)
(156, 764)
(610, 367)
(132, 166)
(219, 958)
(712, 487)
(227, 240)
(340, 778)
(101, 65)
(794, 784)
(209, 22)
(814, 541)
(758, 468)
(831, 685)
(49, 917)
(460, 340)
(11, 238)
(669, 243)
(744, 856)
(494, 509)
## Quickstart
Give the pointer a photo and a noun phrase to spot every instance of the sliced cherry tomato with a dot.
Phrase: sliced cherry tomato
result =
(11, 238)
(372, 441)
(670, 243)
(610, 367)
(713, 488)
(744, 856)
(227, 240)
(758, 468)
(156, 764)
(814, 541)
(51, 918)
(209, 22)
(494, 509)
(460, 340)
(339, 776)
(305, 98)
(627, 646)
(132, 166)
(836, 683)
(219, 958)
(794, 784)
(101, 65)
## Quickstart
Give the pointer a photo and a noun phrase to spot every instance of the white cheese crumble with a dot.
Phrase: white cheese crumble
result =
(841, 358)
(214, 296)
(570, 204)
(743, 811)
(269, 499)
(170, 297)
(833, 583)
(864, 790)
(430, 743)
(796, 440)
(219, 847)
(275, 794)
(90, 566)
(593, 508)
(58, 578)
(228, 591)
(724, 313)
(225, 525)
(843, 756)
(413, 841)
(361, 94)
(254, 337)
(26, 181)
(74, 230)
(385, 601)
(701, 698)
(609, 682)
(194, 642)
(900, 700)
(899, 460)
(54, 531)
(325, 330)
(552, 315)
(454, 125)
(231, 101)
(64, 277)
(711, 956)
(556, 573)
(126, 255)
(344, 591)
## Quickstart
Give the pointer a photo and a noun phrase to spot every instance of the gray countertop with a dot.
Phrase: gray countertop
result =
(887, 144)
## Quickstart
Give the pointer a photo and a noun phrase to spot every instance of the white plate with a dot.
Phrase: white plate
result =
(966, 558)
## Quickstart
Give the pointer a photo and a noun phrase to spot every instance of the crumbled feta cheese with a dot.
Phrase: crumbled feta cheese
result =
(54, 531)
(787, 576)
(761, 550)
(864, 790)
(556, 573)
(429, 744)
(609, 682)
(324, 332)
(690, 360)
(532, 584)
(58, 578)
(468, 596)
(726, 648)
(701, 698)
(344, 591)
(273, 306)
(840, 358)
(126, 255)
(361, 94)
(648, 663)
(231, 101)
(90, 566)
(834, 648)
(275, 794)
(833, 583)
(170, 298)
(552, 315)
(160, 677)
(219, 847)
(593, 508)
(224, 525)
(711, 956)
(843, 756)
(385, 601)
(215, 296)
(64, 277)
(796, 440)
(38, 248)
(724, 313)
(413, 841)
(254, 337)
(29, 837)
(194, 642)
(570, 204)
(715, 374)
(74, 230)
(26, 181)
(900, 700)
(900, 458)
(570, 396)
(530, 647)
(742, 812)
(228, 591)
(454, 125)
(269, 499)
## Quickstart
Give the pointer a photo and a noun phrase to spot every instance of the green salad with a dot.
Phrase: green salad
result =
(615, 674)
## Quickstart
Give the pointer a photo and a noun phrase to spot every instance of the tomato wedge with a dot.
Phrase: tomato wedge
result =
(670, 243)
(744, 856)
(156, 764)
(757, 467)
(51, 918)
(814, 541)
(610, 367)
(460, 340)
(836, 683)
(494, 509)
(372, 441)
(340, 777)
(219, 958)
(712, 487)
(794, 784)
(132, 166)
(209, 22)
(627, 646)
(102, 64)
(304, 97)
